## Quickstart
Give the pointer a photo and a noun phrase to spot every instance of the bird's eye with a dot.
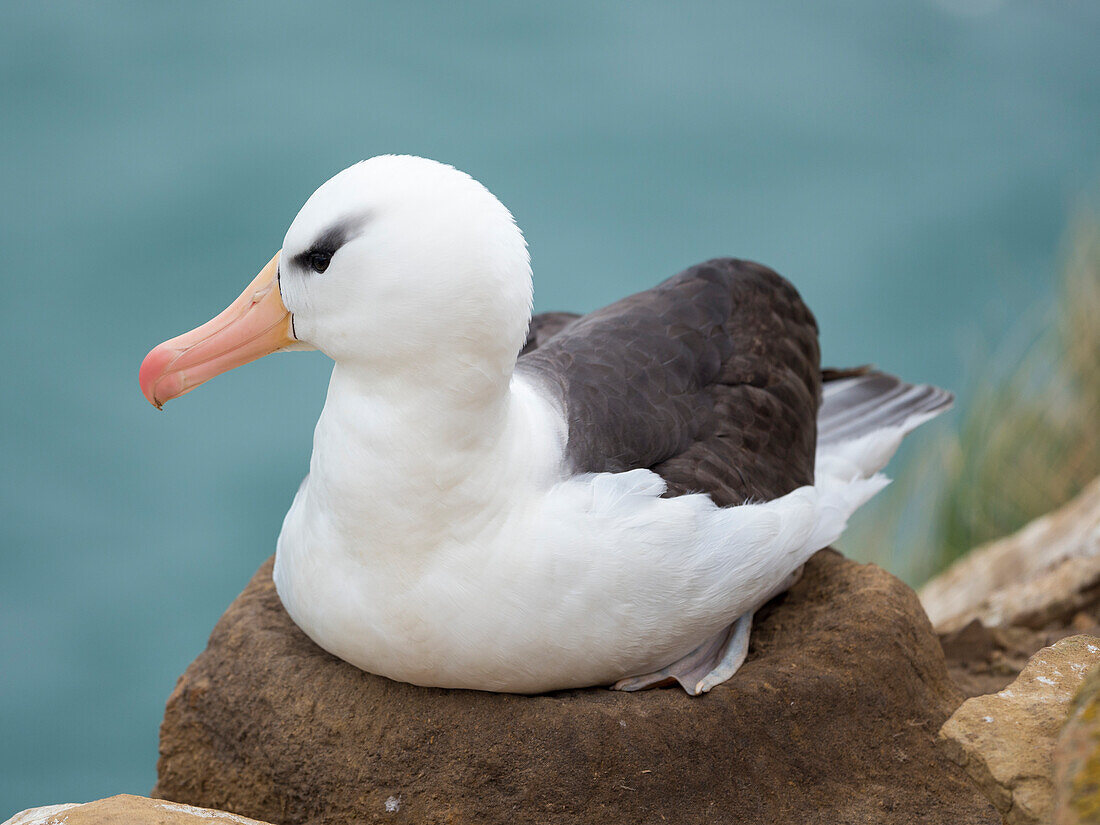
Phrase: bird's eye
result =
(319, 261)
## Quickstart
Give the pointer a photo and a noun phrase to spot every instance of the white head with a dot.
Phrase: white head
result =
(395, 263)
(413, 256)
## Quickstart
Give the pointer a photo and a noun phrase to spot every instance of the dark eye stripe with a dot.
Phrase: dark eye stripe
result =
(319, 254)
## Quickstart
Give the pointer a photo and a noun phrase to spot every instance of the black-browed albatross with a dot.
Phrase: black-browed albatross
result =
(608, 509)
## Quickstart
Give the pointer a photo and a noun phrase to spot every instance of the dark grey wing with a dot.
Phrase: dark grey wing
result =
(712, 379)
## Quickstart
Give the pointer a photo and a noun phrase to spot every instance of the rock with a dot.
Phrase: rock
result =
(984, 659)
(999, 605)
(831, 720)
(1045, 573)
(1077, 758)
(46, 815)
(1005, 740)
(127, 810)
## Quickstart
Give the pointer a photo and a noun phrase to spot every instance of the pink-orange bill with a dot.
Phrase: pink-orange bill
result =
(255, 324)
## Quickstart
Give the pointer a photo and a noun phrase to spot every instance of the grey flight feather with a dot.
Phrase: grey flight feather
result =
(856, 405)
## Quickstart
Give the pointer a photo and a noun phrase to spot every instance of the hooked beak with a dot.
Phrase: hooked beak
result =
(256, 324)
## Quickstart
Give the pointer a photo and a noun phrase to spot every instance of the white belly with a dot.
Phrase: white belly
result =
(599, 580)
(511, 612)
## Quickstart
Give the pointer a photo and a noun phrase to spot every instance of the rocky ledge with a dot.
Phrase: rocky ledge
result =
(125, 809)
(832, 720)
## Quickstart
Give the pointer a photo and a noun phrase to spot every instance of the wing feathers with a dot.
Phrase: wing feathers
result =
(711, 379)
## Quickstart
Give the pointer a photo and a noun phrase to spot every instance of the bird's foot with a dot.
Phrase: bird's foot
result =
(714, 661)
(710, 664)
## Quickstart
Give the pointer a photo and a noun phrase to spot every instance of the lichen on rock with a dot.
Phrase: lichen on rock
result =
(1077, 758)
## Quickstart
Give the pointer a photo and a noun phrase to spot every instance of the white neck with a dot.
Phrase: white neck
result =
(416, 462)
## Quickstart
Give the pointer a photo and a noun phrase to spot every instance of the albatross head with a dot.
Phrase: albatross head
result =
(394, 265)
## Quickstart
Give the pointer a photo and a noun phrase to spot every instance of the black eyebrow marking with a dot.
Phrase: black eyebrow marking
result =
(330, 240)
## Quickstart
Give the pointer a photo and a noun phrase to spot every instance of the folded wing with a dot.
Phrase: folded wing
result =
(711, 379)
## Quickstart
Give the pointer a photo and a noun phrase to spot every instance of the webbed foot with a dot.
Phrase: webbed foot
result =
(714, 661)
(710, 664)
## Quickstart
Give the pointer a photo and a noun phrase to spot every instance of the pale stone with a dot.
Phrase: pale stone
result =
(1005, 741)
(125, 809)
(1047, 571)
(46, 815)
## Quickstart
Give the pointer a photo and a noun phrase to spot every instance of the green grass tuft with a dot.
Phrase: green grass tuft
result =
(1028, 441)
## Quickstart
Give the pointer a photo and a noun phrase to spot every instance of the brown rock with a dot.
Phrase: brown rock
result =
(127, 810)
(831, 720)
(1046, 572)
(1005, 740)
(1077, 758)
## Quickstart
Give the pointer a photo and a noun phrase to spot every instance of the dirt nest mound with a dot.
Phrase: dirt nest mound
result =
(831, 720)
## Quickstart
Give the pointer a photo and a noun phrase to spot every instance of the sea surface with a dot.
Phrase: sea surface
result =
(912, 167)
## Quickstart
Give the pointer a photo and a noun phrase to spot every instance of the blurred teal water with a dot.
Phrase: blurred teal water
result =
(910, 166)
